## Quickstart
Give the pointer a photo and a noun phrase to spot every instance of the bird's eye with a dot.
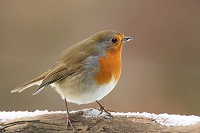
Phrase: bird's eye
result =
(114, 40)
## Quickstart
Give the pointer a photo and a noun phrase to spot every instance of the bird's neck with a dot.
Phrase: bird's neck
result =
(109, 66)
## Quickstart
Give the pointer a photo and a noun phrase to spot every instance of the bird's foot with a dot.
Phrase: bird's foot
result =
(102, 109)
(70, 121)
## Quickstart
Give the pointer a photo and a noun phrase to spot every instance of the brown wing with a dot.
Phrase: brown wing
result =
(30, 83)
(58, 72)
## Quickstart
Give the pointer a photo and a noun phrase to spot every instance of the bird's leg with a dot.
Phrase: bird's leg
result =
(69, 120)
(103, 109)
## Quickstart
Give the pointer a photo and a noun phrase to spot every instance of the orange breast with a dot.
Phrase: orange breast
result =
(109, 66)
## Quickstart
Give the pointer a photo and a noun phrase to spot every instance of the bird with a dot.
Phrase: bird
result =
(86, 72)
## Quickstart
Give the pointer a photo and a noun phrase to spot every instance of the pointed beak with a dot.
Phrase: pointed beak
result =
(126, 39)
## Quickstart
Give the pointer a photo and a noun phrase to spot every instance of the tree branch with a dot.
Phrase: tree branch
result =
(56, 123)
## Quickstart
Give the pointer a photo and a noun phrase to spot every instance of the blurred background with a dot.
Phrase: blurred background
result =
(161, 67)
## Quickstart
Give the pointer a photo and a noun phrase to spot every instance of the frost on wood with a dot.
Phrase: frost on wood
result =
(90, 120)
(163, 119)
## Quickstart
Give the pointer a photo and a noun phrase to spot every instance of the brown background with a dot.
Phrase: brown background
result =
(161, 67)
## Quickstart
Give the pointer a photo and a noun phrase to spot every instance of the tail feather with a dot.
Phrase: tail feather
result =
(36, 81)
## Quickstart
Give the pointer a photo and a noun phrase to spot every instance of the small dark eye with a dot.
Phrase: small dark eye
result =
(114, 40)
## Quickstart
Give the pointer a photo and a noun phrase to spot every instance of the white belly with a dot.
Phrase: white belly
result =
(87, 94)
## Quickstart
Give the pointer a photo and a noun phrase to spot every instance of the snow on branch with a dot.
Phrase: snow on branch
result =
(23, 120)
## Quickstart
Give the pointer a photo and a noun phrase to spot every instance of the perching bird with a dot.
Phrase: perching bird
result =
(86, 72)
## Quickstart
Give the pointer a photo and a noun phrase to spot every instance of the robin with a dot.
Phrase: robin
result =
(86, 72)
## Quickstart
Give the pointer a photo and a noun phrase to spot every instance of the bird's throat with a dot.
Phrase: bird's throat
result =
(109, 66)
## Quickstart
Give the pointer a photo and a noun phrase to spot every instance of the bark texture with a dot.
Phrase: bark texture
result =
(56, 123)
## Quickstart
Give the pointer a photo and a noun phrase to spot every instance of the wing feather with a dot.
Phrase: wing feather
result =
(58, 72)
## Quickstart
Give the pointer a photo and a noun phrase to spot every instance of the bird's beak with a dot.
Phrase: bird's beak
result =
(126, 39)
